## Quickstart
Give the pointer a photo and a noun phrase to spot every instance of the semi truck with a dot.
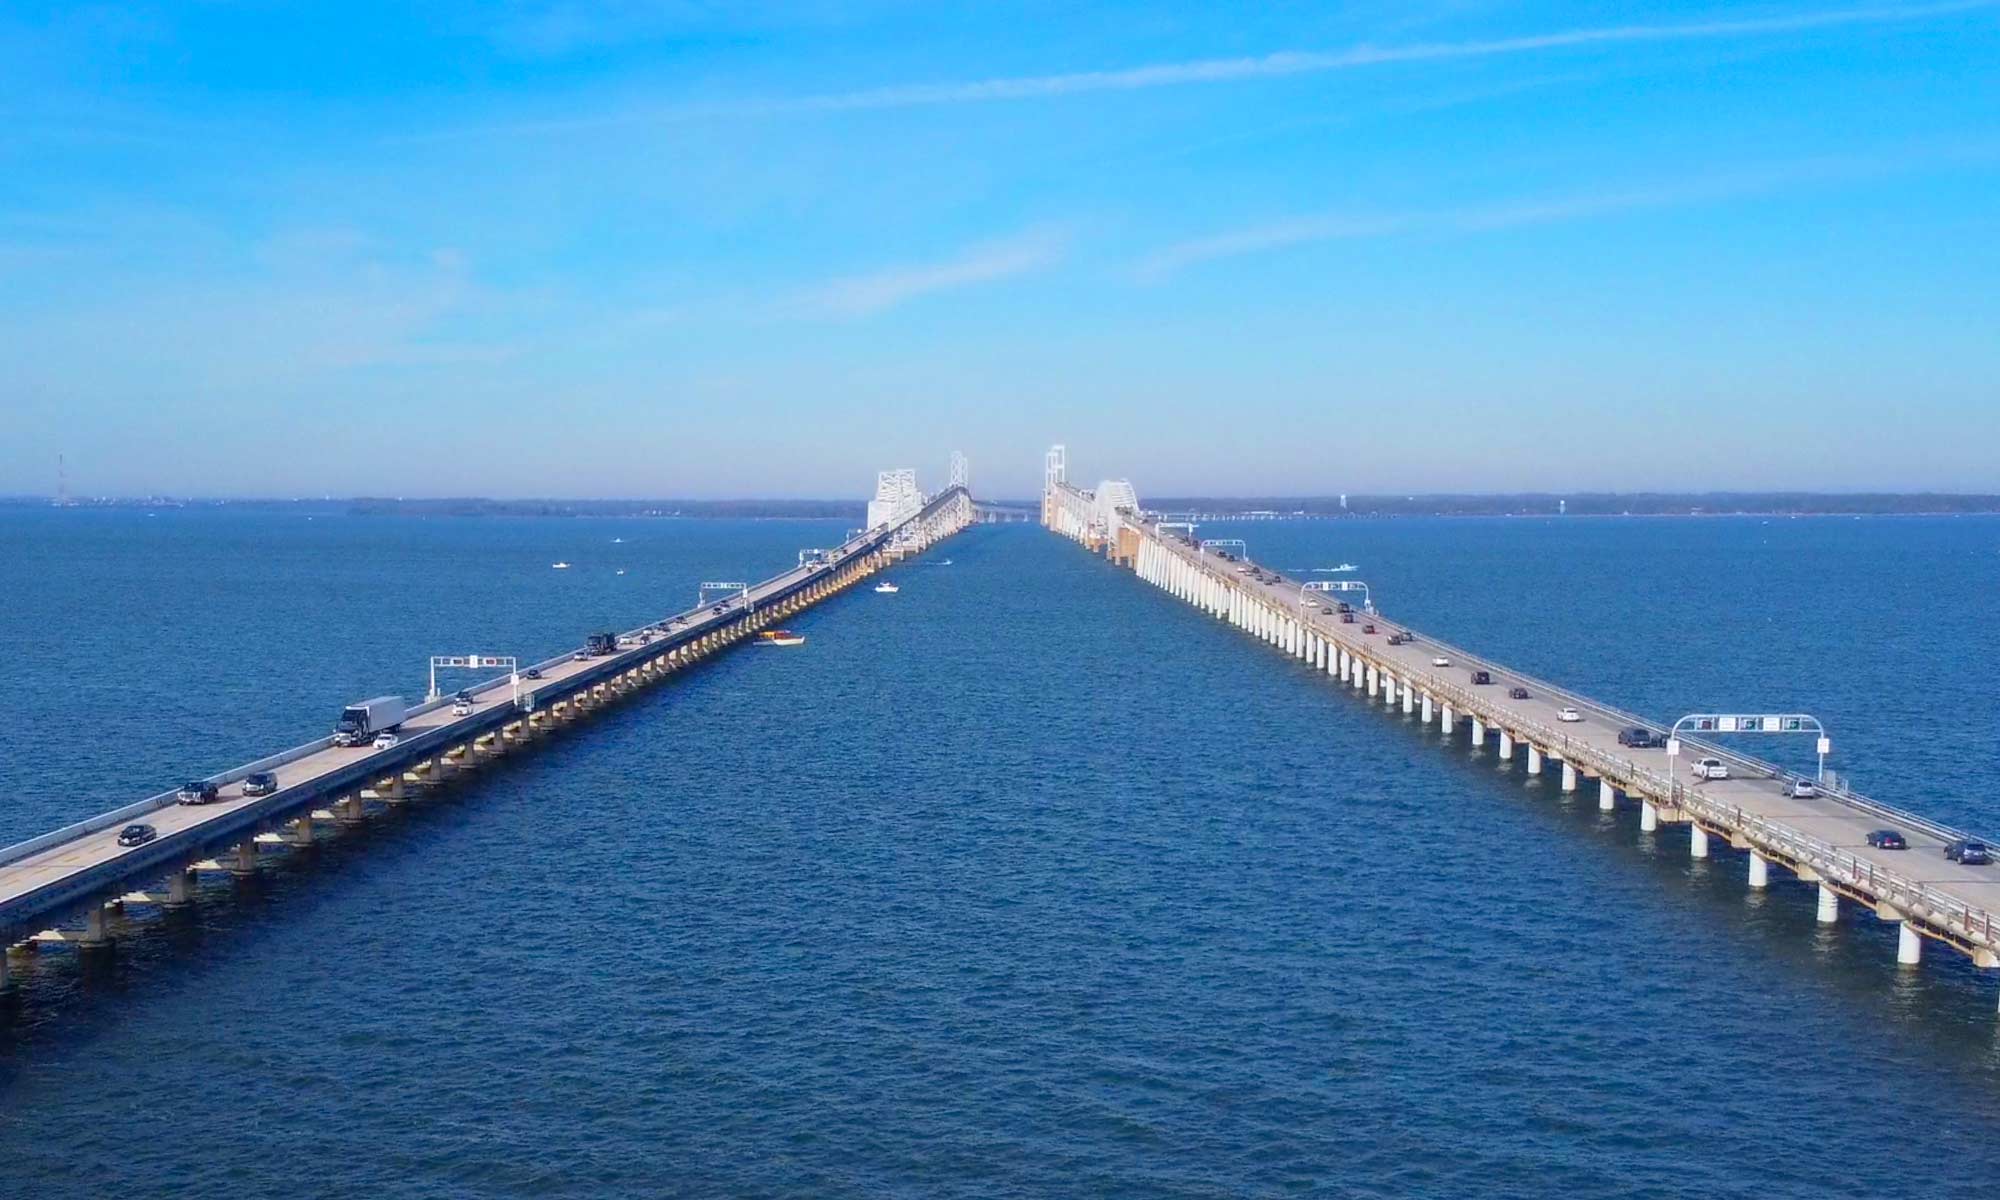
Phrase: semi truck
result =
(602, 644)
(360, 722)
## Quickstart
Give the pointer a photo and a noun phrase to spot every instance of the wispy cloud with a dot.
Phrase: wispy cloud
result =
(878, 291)
(1333, 227)
(1267, 66)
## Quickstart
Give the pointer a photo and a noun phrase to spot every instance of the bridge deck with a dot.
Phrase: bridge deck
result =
(1821, 837)
(45, 877)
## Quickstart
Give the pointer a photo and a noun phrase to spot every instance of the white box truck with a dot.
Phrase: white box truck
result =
(359, 723)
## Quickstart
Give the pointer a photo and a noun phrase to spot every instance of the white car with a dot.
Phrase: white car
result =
(1439, 660)
(1802, 789)
(1566, 713)
(387, 741)
(1709, 768)
(463, 708)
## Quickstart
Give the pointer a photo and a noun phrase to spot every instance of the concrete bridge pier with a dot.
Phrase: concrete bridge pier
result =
(1447, 721)
(1478, 732)
(1389, 690)
(1760, 870)
(1569, 777)
(1697, 841)
(96, 926)
(180, 888)
(1829, 905)
(1534, 759)
(1374, 681)
(1607, 800)
(1427, 708)
(1909, 946)
(1649, 818)
(245, 861)
(352, 810)
(302, 830)
(1506, 746)
(1409, 699)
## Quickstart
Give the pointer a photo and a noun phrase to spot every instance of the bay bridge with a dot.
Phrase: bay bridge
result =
(80, 885)
(1781, 823)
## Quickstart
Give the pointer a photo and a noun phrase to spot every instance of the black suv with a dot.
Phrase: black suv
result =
(1481, 678)
(1887, 839)
(196, 791)
(136, 835)
(1640, 739)
(1969, 852)
(260, 783)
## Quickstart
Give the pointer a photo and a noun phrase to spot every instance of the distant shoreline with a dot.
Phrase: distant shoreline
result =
(1210, 509)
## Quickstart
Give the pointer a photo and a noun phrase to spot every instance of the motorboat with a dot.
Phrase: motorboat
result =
(887, 589)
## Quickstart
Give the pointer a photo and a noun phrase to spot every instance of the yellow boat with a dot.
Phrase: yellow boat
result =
(781, 637)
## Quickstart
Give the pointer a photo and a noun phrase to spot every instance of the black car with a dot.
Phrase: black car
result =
(1517, 692)
(1347, 618)
(1887, 839)
(533, 673)
(1482, 678)
(1969, 852)
(136, 835)
(1368, 629)
(196, 791)
(260, 783)
(1346, 607)
(1327, 609)
(1640, 739)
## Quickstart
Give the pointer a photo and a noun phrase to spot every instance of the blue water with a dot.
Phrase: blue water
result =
(1026, 881)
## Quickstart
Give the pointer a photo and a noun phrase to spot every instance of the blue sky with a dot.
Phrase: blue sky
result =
(645, 249)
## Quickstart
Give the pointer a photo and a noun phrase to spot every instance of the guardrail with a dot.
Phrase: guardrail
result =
(1938, 909)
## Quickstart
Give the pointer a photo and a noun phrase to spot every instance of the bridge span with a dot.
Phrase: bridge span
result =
(73, 885)
(1775, 818)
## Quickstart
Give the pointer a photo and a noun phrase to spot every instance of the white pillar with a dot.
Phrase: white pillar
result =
(1427, 708)
(1409, 699)
(1333, 660)
(1607, 796)
(1909, 945)
(1506, 746)
(1478, 732)
(1388, 690)
(1760, 870)
(1569, 777)
(1534, 759)
(1697, 841)
(1447, 721)
(1374, 681)
(1829, 905)
(1649, 817)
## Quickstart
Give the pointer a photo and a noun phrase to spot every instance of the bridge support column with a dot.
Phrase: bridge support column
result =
(1760, 870)
(1374, 682)
(1649, 819)
(1447, 721)
(1506, 746)
(1409, 699)
(1829, 905)
(1478, 732)
(180, 888)
(1569, 777)
(353, 810)
(1427, 708)
(95, 930)
(246, 857)
(302, 830)
(1607, 799)
(1909, 946)
(1697, 841)
(1534, 759)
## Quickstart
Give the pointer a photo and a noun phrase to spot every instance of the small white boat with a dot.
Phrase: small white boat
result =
(887, 588)
(617, 541)
(781, 637)
(561, 566)
(1347, 567)
(621, 570)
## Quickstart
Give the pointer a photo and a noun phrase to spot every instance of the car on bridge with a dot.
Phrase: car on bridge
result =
(1347, 618)
(1568, 715)
(1517, 692)
(1709, 768)
(196, 791)
(1887, 839)
(532, 673)
(1327, 610)
(1482, 678)
(461, 707)
(1400, 639)
(260, 783)
(1802, 789)
(387, 741)
(1968, 852)
(1368, 629)
(1439, 660)
(1640, 738)
(136, 835)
